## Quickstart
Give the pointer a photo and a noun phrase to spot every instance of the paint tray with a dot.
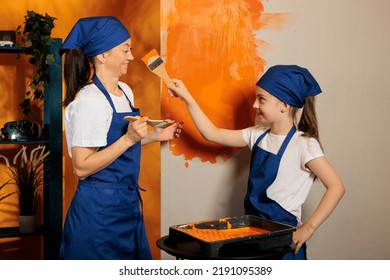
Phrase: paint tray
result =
(239, 233)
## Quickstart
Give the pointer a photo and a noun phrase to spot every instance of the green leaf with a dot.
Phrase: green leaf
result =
(27, 96)
(49, 59)
(37, 40)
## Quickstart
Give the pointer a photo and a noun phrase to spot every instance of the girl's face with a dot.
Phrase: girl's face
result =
(119, 57)
(268, 108)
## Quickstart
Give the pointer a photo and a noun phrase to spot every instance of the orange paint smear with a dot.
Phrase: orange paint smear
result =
(275, 21)
(224, 220)
(214, 235)
(211, 46)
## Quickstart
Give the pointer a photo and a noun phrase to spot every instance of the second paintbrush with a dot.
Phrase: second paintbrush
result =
(154, 123)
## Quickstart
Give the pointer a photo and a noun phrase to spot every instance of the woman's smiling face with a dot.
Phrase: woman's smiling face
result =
(119, 57)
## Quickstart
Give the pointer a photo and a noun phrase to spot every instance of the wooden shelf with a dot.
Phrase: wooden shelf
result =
(30, 142)
(14, 232)
(11, 50)
(51, 230)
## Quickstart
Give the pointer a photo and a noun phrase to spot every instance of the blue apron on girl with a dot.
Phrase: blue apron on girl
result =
(263, 171)
(105, 219)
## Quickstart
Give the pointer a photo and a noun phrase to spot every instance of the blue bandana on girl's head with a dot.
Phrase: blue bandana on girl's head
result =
(95, 35)
(289, 83)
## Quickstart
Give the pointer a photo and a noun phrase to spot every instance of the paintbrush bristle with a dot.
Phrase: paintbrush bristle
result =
(156, 65)
(150, 56)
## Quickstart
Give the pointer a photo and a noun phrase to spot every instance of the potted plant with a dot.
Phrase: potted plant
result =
(36, 40)
(27, 174)
(5, 195)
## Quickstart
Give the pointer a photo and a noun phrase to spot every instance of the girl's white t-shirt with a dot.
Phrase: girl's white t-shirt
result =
(88, 117)
(294, 180)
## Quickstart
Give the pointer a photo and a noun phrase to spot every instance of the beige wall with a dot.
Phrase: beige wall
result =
(345, 44)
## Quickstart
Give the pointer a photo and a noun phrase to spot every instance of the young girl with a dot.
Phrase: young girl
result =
(286, 159)
(104, 220)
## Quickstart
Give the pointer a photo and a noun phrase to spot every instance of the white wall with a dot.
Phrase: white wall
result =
(346, 45)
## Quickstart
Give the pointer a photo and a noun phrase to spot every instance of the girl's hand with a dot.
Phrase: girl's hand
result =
(137, 130)
(301, 235)
(168, 133)
(178, 89)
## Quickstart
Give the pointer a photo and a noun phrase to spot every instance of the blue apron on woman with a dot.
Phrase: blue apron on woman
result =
(105, 220)
(263, 171)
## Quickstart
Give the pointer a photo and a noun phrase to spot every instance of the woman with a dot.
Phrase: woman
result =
(104, 220)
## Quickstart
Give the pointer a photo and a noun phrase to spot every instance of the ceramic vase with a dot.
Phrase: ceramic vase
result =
(27, 224)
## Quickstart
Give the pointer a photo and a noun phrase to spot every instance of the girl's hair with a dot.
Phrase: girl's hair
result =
(77, 73)
(308, 122)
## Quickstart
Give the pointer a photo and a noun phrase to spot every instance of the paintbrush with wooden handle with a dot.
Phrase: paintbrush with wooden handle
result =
(154, 123)
(156, 65)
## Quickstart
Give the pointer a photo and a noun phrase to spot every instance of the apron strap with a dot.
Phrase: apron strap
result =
(287, 140)
(100, 86)
(138, 189)
(261, 137)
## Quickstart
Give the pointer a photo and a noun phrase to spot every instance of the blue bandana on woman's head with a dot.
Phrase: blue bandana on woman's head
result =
(95, 35)
(290, 84)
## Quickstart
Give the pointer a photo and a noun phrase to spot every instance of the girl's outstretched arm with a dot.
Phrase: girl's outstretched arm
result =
(333, 194)
(207, 129)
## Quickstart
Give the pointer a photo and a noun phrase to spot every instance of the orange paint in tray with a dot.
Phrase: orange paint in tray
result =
(212, 235)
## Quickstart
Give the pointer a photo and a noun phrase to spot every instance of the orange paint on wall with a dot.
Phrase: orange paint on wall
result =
(211, 46)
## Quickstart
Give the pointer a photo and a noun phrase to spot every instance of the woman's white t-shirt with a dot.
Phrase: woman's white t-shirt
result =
(294, 180)
(88, 117)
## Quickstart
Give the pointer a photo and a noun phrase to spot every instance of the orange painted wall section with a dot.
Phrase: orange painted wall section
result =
(143, 21)
(211, 46)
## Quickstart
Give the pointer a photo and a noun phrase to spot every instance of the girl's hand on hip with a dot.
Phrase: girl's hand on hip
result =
(301, 235)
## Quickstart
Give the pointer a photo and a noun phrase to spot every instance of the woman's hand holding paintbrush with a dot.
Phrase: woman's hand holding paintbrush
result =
(137, 130)
(154, 123)
(164, 130)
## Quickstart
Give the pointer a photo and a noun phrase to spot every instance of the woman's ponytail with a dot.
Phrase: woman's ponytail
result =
(77, 73)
